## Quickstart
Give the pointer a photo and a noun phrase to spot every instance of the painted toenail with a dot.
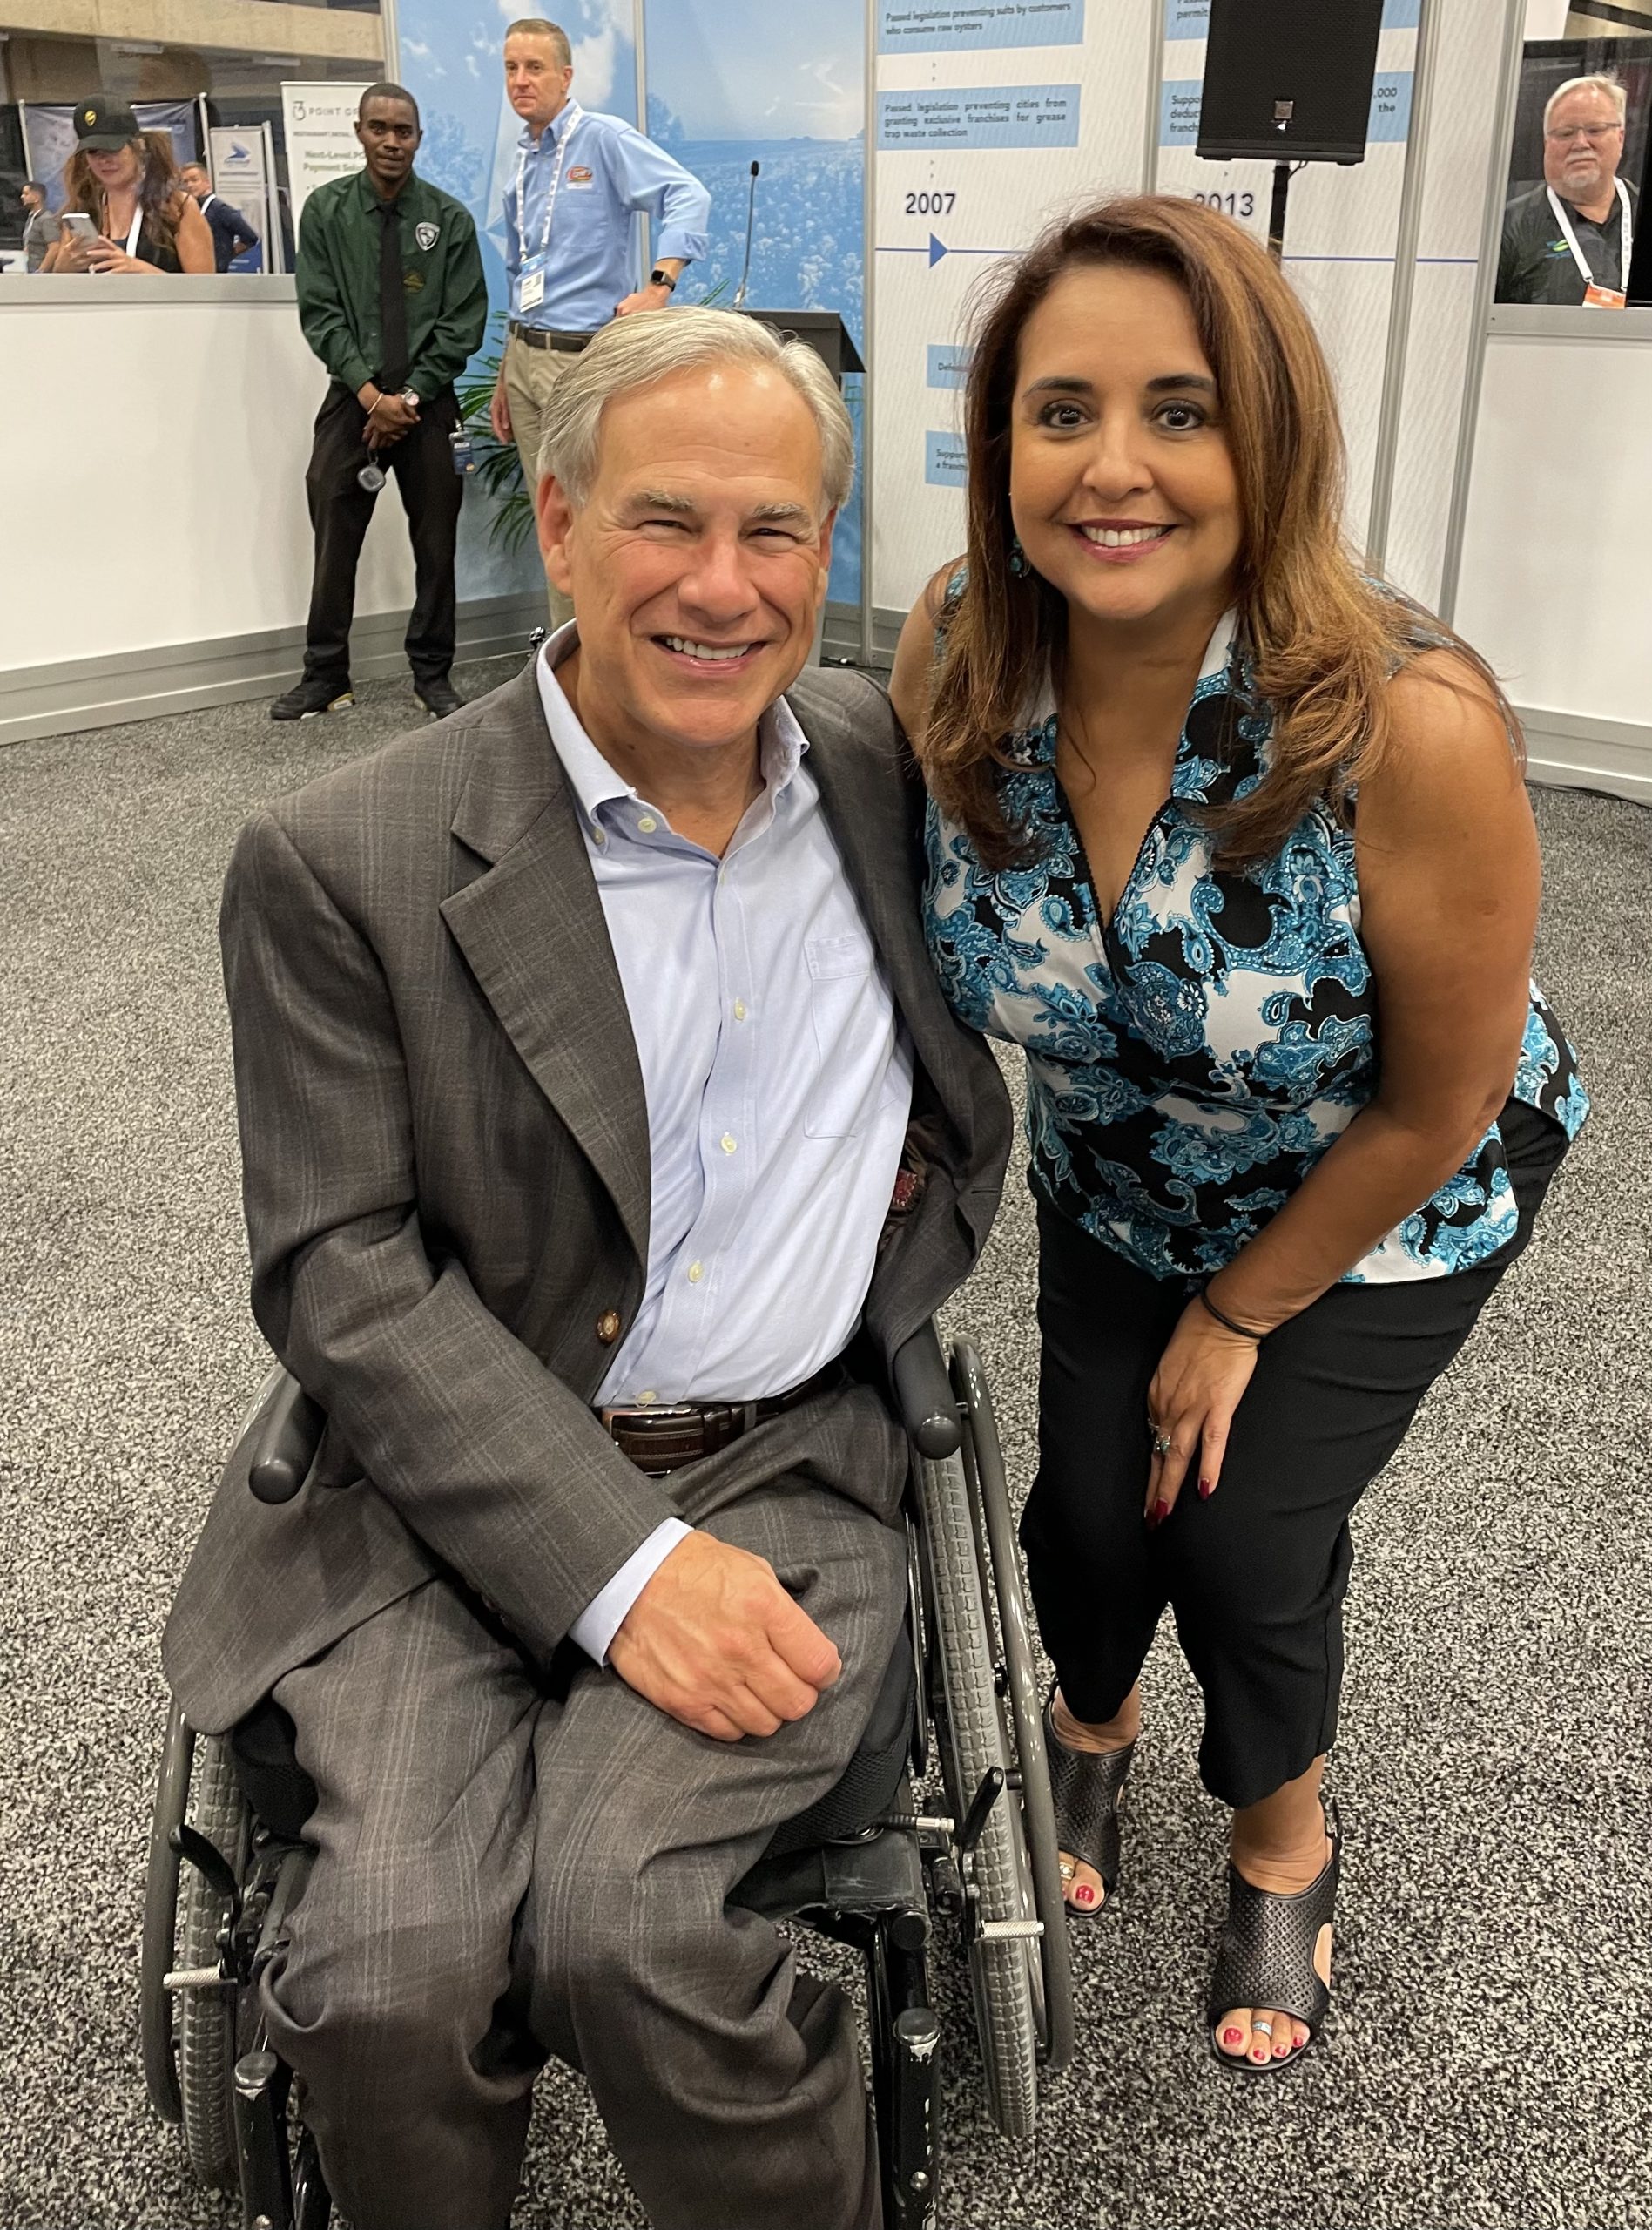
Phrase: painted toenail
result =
(1260, 2053)
(1233, 2036)
(1085, 1895)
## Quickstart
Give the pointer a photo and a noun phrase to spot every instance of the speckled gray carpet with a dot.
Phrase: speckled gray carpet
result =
(1486, 2062)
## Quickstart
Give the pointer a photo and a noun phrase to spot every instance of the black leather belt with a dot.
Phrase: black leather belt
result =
(662, 1436)
(569, 344)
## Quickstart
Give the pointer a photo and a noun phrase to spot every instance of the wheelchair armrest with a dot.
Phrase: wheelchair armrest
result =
(286, 1443)
(924, 1398)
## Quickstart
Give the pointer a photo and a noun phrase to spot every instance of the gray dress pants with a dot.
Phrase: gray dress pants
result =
(483, 1851)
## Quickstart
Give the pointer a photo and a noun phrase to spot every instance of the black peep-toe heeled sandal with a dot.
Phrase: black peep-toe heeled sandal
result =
(1086, 1787)
(1267, 1955)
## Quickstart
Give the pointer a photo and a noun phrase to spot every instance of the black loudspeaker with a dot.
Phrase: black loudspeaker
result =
(1289, 81)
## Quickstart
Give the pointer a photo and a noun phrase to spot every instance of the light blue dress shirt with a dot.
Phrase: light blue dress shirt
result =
(778, 1079)
(609, 170)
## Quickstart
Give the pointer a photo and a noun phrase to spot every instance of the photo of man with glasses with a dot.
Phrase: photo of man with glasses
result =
(1568, 240)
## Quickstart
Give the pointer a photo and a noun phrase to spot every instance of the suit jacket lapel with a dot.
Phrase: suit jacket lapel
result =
(532, 930)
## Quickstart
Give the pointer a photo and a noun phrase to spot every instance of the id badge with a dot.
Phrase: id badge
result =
(532, 287)
(1606, 298)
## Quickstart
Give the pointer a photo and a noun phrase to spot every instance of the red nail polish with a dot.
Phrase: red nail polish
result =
(1260, 2054)
(1084, 1895)
(1233, 2036)
(1207, 1488)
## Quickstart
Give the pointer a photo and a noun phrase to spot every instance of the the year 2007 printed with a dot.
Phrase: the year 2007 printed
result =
(936, 204)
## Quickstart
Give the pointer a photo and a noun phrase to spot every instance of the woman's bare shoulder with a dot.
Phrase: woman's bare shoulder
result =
(909, 683)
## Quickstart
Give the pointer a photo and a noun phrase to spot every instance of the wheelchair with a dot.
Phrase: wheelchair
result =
(939, 1839)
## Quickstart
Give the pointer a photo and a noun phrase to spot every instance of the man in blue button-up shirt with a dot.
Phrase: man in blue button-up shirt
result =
(579, 178)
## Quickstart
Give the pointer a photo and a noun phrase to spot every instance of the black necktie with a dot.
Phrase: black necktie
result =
(393, 303)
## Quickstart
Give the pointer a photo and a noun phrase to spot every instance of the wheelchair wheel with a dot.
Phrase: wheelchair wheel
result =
(206, 2018)
(1000, 1560)
(971, 1740)
(160, 1919)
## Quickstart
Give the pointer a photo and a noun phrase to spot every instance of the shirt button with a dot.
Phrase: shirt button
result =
(695, 1272)
(726, 1142)
(647, 824)
(607, 1327)
(739, 1009)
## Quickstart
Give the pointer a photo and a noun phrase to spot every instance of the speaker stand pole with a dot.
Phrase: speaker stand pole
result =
(1276, 214)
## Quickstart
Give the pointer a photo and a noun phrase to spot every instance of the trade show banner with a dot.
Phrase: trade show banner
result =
(992, 116)
(241, 172)
(1342, 220)
(735, 82)
(319, 121)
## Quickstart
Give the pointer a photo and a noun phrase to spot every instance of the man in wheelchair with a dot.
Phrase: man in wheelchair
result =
(583, 1042)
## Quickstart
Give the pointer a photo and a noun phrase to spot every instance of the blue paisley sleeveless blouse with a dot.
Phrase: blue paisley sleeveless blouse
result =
(1189, 1060)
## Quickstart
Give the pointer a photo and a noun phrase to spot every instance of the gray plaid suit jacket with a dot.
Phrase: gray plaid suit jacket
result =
(446, 1176)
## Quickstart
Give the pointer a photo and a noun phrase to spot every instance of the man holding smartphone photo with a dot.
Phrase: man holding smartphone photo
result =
(392, 298)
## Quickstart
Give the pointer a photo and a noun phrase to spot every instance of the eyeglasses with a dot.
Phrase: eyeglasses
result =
(1568, 131)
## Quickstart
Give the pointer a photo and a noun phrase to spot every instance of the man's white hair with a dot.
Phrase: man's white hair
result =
(651, 345)
(1601, 82)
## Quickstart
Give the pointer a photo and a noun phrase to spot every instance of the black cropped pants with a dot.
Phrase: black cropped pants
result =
(1257, 1575)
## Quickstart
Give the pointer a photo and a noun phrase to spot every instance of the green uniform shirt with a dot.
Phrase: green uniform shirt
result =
(338, 282)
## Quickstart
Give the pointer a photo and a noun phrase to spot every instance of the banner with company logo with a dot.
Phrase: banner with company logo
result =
(319, 124)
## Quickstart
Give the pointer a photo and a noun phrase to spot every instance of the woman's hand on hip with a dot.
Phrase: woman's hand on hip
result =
(1199, 1383)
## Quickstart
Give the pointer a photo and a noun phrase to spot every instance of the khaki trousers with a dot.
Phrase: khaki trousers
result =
(531, 377)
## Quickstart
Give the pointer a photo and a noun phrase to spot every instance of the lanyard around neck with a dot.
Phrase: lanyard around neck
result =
(135, 230)
(572, 114)
(1626, 237)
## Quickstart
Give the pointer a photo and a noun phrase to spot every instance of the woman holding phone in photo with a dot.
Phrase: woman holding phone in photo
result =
(124, 181)
(1235, 843)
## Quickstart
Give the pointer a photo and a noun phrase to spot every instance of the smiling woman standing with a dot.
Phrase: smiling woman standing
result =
(1234, 842)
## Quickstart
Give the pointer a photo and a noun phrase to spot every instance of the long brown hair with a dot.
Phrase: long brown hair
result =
(1321, 641)
(159, 190)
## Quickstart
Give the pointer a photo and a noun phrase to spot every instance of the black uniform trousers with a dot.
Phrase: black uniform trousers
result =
(431, 493)
(1255, 1576)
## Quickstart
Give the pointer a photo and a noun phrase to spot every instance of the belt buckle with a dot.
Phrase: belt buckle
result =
(630, 1414)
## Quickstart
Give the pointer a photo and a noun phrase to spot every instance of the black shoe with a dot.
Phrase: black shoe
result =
(439, 697)
(314, 695)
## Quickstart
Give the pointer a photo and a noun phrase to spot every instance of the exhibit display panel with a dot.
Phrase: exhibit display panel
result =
(734, 83)
(1116, 106)
(987, 122)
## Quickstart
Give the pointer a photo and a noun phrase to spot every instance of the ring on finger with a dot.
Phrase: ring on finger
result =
(1161, 1443)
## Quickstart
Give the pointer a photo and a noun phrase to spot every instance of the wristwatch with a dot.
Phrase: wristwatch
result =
(659, 278)
(410, 397)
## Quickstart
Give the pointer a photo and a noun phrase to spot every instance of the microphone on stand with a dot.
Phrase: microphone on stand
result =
(751, 212)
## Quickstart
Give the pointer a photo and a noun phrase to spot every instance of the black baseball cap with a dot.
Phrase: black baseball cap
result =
(102, 126)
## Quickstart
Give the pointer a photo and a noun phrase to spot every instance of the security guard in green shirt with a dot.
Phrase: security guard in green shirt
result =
(392, 300)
